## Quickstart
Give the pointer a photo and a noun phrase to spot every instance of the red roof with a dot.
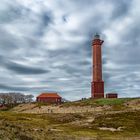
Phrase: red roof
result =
(49, 95)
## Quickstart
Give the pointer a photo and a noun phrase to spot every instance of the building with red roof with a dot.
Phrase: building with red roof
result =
(49, 98)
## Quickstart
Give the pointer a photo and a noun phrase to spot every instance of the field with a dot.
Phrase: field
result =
(114, 119)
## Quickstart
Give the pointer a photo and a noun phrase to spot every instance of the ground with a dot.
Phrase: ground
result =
(103, 119)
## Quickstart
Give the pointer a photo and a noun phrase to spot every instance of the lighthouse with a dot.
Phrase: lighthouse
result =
(97, 84)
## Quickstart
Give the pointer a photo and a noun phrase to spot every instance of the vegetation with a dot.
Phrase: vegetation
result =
(39, 104)
(67, 126)
(14, 98)
(98, 102)
(103, 125)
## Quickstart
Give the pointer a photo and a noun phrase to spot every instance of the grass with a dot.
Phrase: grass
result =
(36, 126)
(118, 101)
(22, 126)
(98, 102)
(128, 120)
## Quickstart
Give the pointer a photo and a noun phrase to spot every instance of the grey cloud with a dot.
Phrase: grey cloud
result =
(7, 41)
(121, 8)
(12, 88)
(22, 69)
(12, 11)
(45, 18)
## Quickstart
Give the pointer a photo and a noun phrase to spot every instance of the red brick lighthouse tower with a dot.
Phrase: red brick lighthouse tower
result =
(97, 84)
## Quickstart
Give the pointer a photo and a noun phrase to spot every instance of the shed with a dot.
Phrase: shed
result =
(111, 95)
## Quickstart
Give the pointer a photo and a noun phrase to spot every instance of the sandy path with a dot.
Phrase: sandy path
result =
(32, 108)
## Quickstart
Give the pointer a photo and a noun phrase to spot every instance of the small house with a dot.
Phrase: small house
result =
(49, 98)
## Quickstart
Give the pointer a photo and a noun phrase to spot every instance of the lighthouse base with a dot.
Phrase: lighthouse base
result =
(97, 89)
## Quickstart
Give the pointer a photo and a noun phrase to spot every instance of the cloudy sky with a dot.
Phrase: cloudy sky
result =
(45, 45)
